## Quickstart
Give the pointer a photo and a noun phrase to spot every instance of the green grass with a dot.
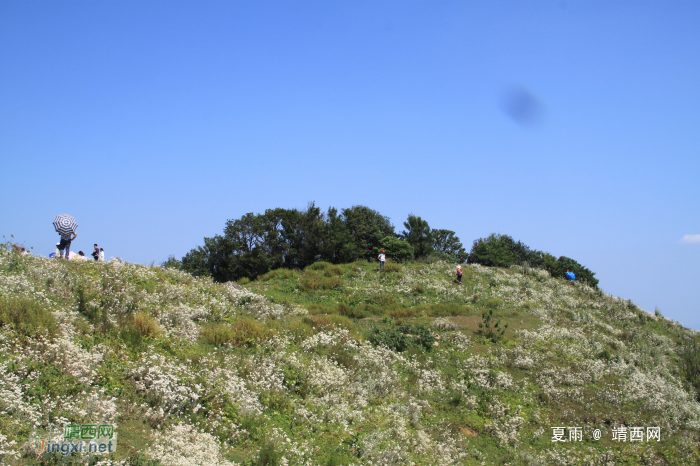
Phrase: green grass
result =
(26, 317)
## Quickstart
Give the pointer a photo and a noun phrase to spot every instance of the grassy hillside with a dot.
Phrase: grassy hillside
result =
(338, 365)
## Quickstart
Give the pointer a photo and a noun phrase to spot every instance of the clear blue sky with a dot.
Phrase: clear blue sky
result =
(154, 122)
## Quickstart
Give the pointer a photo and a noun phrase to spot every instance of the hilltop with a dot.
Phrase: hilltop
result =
(339, 365)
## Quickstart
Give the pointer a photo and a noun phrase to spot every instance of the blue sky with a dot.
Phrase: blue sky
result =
(154, 122)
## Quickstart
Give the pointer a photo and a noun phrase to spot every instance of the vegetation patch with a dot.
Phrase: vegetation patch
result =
(244, 332)
(26, 317)
(271, 373)
(403, 337)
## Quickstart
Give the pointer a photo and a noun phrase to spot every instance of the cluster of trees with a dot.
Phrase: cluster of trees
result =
(257, 243)
(503, 251)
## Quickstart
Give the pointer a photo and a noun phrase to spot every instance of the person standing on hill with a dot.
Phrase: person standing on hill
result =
(459, 274)
(570, 276)
(382, 260)
(102, 255)
(64, 245)
(96, 253)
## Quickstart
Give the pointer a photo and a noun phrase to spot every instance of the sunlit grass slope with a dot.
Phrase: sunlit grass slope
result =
(337, 365)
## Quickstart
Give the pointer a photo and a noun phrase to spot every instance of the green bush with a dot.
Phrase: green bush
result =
(354, 312)
(311, 281)
(248, 332)
(403, 313)
(331, 283)
(328, 269)
(335, 460)
(143, 323)
(26, 316)
(245, 332)
(217, 334)
(489, 329)
(396, 249)
(392, 268)
(269, 456)
(403, 337)
(315, 309)
(494, 302)
(278, 274)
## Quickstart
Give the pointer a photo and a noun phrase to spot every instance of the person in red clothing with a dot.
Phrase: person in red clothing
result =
(459, 274)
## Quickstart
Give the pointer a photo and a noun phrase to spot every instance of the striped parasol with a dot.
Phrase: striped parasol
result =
(65, 224)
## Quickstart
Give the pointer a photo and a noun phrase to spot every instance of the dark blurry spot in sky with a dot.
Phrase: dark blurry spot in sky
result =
(522, 106)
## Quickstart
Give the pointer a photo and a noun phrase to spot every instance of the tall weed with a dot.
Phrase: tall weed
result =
(313, 281)
(690, 360)
(328, 269)
(145, 325)
(245, 332)
(26, 316)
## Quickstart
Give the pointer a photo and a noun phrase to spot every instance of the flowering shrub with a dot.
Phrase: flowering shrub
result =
(168, 386)
(184, 445)
(7, 449)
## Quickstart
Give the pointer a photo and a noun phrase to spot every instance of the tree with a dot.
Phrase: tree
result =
(367, 228)
(498, 251)
(196, 261)
(250, 246)
(172, 263)
(253, 245)
(542, 260)
(446, 242)
(304, 233)
(339, 246)
(419, 235)
(396, 249)
(581, 272)
(502, 251)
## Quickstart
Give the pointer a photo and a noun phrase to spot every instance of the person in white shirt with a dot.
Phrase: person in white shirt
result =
(382, 260)
(102, 255)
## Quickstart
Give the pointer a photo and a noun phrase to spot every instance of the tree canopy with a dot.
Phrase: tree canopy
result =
(498, 250)
(257, 243)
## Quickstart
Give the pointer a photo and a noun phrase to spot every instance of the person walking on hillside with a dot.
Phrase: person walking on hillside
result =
(102, 255)
(64, 245)
(96, 253)
(65, 226)
(382, 260)
(459, 274)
